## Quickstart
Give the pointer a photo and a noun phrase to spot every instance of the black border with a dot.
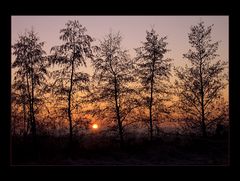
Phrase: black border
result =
(120, 8)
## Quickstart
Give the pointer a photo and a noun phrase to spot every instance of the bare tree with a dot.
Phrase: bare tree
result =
(153, 72)
(31, 68)
(19, 104)
(200, 85)
(69, 57)
(112, 76)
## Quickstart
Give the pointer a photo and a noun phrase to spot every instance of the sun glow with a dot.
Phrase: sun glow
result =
(95, 126)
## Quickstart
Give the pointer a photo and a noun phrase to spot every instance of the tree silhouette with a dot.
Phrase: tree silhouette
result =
(112, 77)
(199, 85)
(153, 72)
(69, 57)
(19, 105)
(31, 69)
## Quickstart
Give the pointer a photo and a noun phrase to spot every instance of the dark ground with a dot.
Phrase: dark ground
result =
(93, 150)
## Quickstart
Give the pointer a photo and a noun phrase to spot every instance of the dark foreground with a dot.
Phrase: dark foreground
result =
(95, 150)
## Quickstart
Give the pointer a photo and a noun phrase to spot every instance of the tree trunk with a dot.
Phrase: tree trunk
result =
(203, 125)
(120, 128)
(33, 125)
(69, 105)
(29, 117)
(151, 101)
(150, 111)
(30, 106)
(24, 118)
(25, 126)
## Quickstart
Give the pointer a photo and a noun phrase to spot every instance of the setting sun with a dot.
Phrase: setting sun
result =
(95, 126)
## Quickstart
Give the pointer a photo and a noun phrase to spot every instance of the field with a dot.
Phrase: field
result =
(168, 150)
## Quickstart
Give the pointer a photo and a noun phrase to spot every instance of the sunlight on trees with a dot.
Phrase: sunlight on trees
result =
(68, 80)
(153, 71)
(127, 96)
(112, 75)
(29, 78)
(199, 86)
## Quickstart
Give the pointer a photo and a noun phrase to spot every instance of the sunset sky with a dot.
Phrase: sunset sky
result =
(132, 28)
